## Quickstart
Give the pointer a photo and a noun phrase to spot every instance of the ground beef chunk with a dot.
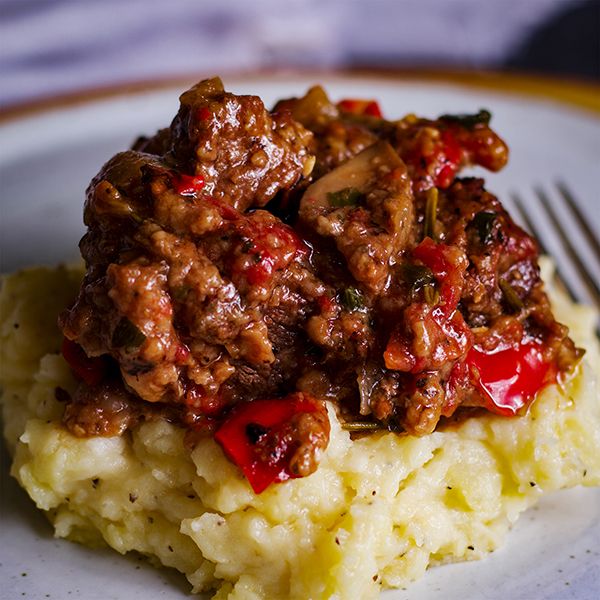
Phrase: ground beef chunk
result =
(106, 409)
(244, 154)
(384, 291)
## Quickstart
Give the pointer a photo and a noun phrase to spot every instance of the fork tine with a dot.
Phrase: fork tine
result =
(584, 274)
(528, 219)
(570, 281)
(519, 204)
(581, 220)
(528, 222)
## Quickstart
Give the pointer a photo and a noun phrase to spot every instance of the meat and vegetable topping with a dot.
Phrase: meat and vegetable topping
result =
(244, 267)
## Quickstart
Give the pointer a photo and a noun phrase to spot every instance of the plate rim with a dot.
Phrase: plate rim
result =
(570, 92)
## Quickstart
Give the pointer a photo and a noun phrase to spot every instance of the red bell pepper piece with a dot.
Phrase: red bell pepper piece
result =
(187, 185)
(449, 160)
(246, 433)
(272, 247)
(360, 107)
(509, 377)
(90, 370)
(449, 335)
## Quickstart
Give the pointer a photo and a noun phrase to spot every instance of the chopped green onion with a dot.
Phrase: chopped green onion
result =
(352, 298)
(511, 297)
(482, 117)
(430, 213)
(484, 223)
(349, 196)
(126, 335)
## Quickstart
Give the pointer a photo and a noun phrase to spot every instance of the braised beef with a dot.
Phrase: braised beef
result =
(388, 270)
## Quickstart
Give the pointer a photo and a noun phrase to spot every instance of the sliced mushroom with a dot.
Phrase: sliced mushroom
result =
(366, 205)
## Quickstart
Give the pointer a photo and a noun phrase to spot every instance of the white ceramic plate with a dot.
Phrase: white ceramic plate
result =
(46, 162)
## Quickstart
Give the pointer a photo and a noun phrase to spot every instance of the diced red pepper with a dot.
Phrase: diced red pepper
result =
(201, 403)
(360, 107)
(272, 248)
(445, 265)
(187, 185)
(449, 335)
(248, 429)
(182, 353)
(203, 114)
(449, 160)
(509, 377)
(435, 164)
(90, 370)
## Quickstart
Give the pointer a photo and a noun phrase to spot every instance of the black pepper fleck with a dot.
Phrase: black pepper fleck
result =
(254, 432)
(471, 547)
(337, 541)
(95, 482)
(170, 548)
(132, 497)
(532, 483)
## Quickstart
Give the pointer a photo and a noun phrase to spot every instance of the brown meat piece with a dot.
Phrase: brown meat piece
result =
(244, 154)
(366, 206)
(386, 273)
(105, 410)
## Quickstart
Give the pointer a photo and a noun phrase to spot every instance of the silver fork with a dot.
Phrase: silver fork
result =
(553, 216)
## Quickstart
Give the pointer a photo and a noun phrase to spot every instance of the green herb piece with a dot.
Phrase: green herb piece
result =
(511, 297)
(349, 196)
(484, 223)
(352, 298)
(430, 213)
(361, 426)
(421, 278)
(126, 335)
(418, 276)
(483, 117)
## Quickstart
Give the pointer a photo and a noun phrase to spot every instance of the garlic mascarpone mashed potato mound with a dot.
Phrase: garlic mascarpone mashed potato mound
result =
(376, 514)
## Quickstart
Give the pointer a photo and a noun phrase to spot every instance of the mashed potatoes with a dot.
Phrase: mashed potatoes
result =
(377, 513)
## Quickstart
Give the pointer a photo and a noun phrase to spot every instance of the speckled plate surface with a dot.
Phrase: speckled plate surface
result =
(46, 162)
